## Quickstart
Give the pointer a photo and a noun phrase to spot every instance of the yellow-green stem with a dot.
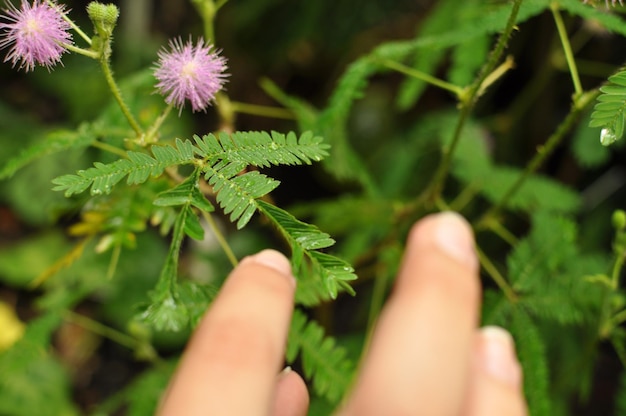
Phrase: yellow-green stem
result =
(70, 22)
(261, 110)
(85, 52)
(102, 330)
(496, 276)
(542, 154)
(567, 49)
(111, 149)
(396, 66)
(221, 239)
(151, 135)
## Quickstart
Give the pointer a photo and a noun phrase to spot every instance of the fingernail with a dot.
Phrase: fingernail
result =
(285, 371)
(497, 355)
(274, 260)
(454, 236)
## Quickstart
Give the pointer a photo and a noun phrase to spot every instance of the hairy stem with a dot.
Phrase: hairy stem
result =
(468, 102)
(567, 49)
(85, 52)
(117, 94)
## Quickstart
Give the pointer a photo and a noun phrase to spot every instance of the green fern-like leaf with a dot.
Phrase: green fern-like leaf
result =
(186, 193)
(262, 149)
(305, 239)
(548, 270)
(610, 21)
(532, 354)
(322, 359)
(138, 167)
(237, 196)
(53, 142)
(609, 111)
(307, 236)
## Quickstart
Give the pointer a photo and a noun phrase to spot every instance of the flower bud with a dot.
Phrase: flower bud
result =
(104, 17)
(619, 219)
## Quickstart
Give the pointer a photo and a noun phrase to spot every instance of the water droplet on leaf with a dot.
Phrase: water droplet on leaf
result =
(607, 137)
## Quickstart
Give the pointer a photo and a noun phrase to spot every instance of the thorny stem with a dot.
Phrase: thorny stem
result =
(542, 154)
(469, 101)
(567, 49)
(71, 22)
(221, 239)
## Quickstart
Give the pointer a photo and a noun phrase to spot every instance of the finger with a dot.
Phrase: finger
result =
(418, 361)
(496, 381)
(292, 396)
(231, 362)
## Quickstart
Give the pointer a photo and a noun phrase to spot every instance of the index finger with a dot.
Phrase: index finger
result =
(231, 363)
(419, 357)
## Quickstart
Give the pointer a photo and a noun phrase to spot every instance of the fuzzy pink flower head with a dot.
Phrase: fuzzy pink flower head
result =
(188, 72)
(36, 33)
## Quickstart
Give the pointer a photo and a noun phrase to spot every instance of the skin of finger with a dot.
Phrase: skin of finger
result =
(292, 396)
(419, 358)
(489, 396)
(231, 363)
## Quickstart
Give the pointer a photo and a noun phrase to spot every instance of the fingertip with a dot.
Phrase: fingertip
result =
(292, 396)
(450, 233)
(274, 260)
(495, 386)
(497, 357)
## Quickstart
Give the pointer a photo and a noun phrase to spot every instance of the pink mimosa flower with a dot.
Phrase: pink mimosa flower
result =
(37, 34)
(188, 72)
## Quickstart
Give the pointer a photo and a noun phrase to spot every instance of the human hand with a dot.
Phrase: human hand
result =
(427, 355)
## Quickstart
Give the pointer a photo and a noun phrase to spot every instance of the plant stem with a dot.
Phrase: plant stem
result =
(150, 136)
(220, 239)
(262, 110)
(542, 154)
(86, 52)
(497, 277)
(108, 75)
(108, 148)
(567, 49)
(102, 330)
(468, 101)
(501, 231)
(207, 10)
(70, 21)
(455, 89)
(617, 268)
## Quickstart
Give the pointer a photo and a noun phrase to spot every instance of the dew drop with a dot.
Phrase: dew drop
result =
(607, 137)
